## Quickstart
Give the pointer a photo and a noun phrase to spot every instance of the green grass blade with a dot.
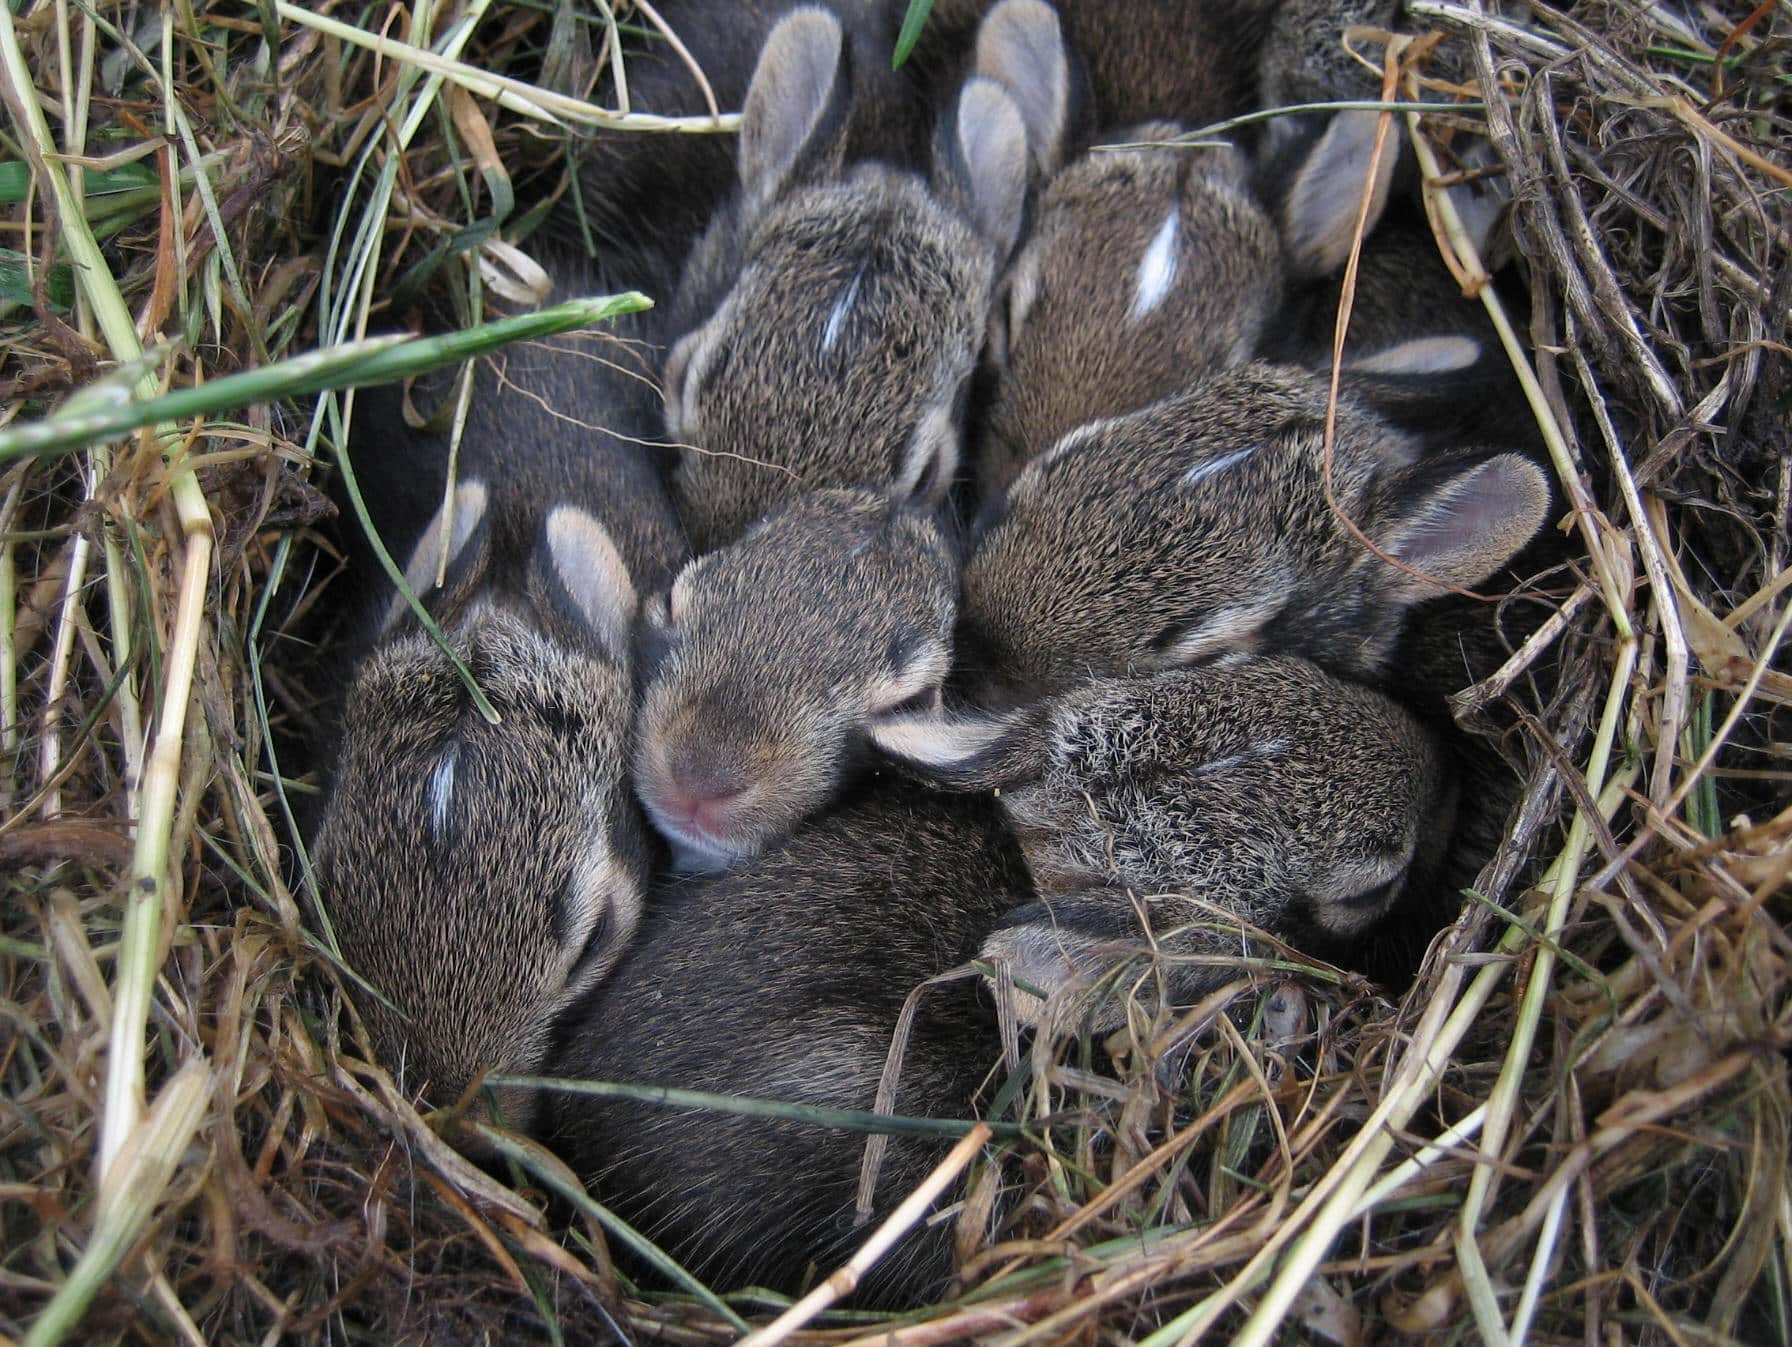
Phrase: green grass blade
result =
(522, 1153)
(912, 24)
(847, 1119)
(372, 361)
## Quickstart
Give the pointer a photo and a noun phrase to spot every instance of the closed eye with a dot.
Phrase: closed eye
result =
(1234, 628)
(928, 699)
(1167, 636)
(1188, 645)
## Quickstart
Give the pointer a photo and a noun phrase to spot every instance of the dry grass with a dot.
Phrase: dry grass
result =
(1576, 1126)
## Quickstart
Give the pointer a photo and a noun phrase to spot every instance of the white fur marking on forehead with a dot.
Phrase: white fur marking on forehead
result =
(1212, 466)
(1157, 269)
(441, 791)
(842, 307)
(1269, 748)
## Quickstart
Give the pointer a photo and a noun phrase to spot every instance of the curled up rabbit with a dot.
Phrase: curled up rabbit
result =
(480, 874)
(1212, 526)
(1187, 813)
(784, 978)
(1201, 525)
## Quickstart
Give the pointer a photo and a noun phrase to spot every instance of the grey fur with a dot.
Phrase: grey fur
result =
(1200, 525)
(660, 191)
(475, 890)
(784, 978)
(837, 318)
(1021, 46)
(1320, 204)
(769, 660)
(1191, 60)
(1303, 58)
(1260, 791)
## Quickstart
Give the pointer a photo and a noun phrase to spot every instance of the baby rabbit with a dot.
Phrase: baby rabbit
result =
(477, 875)
(783, 978)
(836, 313)
(1147, 269)
(768, 661)
(637, 199)
(1201, 525)
(1192, 61)
(1259, 787)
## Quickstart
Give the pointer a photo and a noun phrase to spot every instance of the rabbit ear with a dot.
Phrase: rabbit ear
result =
(1021, 47)
(982, 161)
(1421, 355)
(595, 577)
(1464, 530)
(467, 511)
(1482, 202)
(958, 751)
(1319, 213)
(796, 105)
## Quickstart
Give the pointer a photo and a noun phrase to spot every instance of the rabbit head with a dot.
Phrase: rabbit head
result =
(1150, 266)
(1192, 806)
(766, 663)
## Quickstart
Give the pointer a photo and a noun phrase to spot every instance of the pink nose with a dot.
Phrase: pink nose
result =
(700, 788)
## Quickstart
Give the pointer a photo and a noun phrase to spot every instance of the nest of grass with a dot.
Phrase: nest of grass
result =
(1574, 1127)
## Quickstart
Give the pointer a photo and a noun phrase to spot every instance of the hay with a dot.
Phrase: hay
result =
(1574, 1128)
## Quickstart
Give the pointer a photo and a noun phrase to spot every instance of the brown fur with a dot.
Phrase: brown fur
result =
(1192, 61)
(1097, 317)
(475, 889)
(1200, 525)
(837, 312)
(1303, 58)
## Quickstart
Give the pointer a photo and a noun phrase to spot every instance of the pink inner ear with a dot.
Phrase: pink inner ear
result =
(993, 142)
(791, 89)
(1021, 46)
(1475, 523)
(1319, 217)
(595, 575)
